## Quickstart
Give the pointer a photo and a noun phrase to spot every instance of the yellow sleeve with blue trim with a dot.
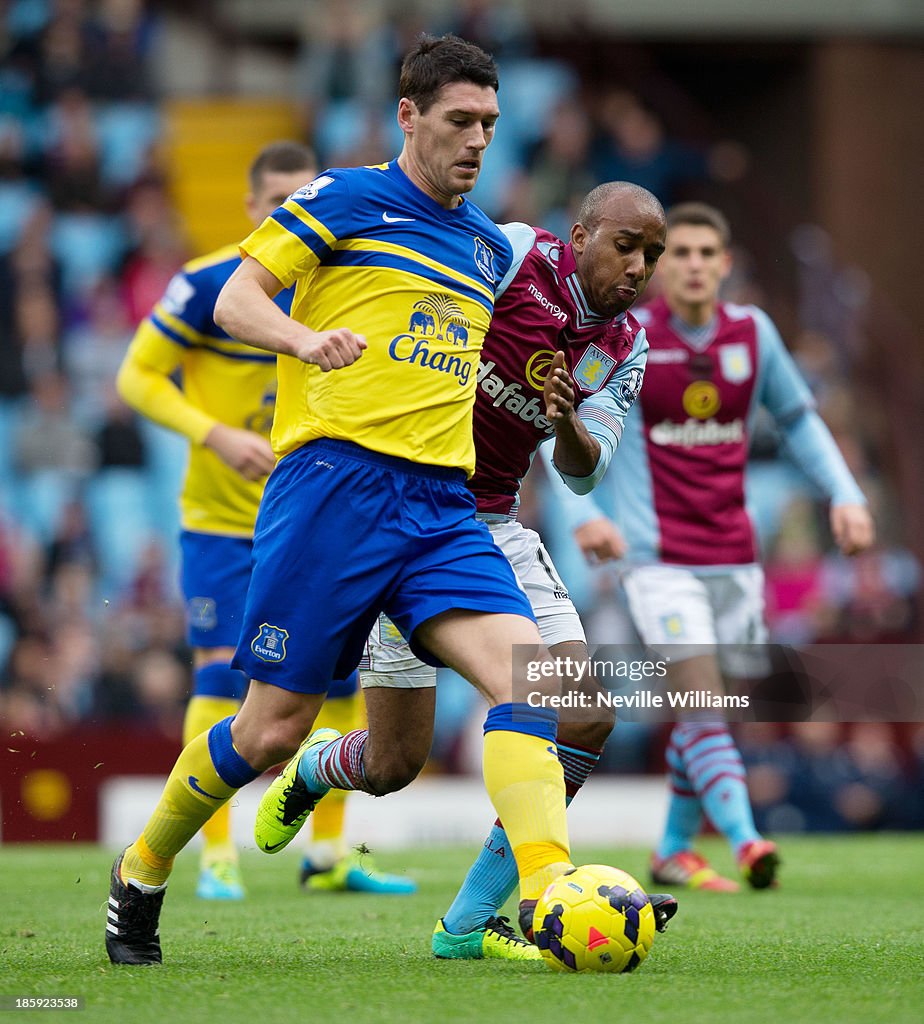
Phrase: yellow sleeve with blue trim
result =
(144, 382)
(186, 373)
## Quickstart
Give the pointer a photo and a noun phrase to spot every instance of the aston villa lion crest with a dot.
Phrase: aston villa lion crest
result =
(594, 369)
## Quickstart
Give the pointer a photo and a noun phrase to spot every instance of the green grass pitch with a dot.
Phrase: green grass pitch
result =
(841, 941)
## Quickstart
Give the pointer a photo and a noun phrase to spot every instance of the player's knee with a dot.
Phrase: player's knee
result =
(589, 727)
(275, 742)
(603, 726)
(393, 771)
(591, 735)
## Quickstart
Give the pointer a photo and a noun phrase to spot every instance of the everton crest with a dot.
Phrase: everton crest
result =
(484, 260)
(270, 643)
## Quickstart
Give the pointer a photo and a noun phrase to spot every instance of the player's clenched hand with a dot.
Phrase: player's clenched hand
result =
(558, 391)
(852, 528)
(243, 450)
(600, 541)
(330, 350)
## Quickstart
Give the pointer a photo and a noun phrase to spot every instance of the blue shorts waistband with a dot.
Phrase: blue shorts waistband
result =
(356, 451)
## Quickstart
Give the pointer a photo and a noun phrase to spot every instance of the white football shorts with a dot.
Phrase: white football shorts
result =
(681, 613)
(388, 660)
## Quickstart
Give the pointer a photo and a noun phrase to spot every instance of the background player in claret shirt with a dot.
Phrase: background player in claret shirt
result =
(563, 362)
(186, 373)
(691, 576)
(367, 510)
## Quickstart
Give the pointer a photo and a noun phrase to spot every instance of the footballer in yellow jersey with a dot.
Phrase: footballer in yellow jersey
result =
(224, 387)
(366, 247)
(395, 276)
(186, 373)
(223, 402)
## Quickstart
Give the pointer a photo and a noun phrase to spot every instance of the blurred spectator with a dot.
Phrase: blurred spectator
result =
(632, 145)
(161, 684)
(118, 439)
(874, 598)
(503, 30)
(29, 305)
(339, 75)
(48, 438)
(93, 350)
(158, 248)
(792, 569)
(825, 777)
(559, 166)
(72, 543)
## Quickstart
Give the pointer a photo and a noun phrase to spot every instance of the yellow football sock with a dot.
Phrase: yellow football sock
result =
(191, 796)
(328, 817)
(525, 782)
(201, 714)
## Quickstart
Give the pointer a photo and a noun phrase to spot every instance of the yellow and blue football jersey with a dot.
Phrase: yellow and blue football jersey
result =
(225, 379)
(367, 250)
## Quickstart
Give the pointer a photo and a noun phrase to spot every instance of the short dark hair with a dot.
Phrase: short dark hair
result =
(594, 204)
(281, 158)
(700, 215)
(435, 62)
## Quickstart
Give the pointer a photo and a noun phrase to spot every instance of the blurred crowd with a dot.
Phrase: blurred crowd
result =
(91, 625)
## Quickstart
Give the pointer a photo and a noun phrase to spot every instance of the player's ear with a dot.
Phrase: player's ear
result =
(578, 237)
(250, 205)
(727, 262)
(407, 114)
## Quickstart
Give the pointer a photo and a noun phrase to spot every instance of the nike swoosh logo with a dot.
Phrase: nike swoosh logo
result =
(396, 220)
(273, 846)
(194, 784)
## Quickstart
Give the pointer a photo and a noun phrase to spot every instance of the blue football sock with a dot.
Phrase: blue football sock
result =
(685, 812)
(716, 772)
(490, 882)
(729, 808)
(493, 877)
(684, 817)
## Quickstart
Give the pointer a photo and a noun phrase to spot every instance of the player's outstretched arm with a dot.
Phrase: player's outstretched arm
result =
(576, 451)
(245, 309)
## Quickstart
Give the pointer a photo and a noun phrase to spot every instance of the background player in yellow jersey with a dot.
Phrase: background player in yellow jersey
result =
(367, 511)
(186, 373)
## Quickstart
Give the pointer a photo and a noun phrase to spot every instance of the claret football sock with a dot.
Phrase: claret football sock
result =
(716, 772)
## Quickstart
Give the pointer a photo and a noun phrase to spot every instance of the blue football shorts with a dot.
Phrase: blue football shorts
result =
(344, 533)
(215, 575)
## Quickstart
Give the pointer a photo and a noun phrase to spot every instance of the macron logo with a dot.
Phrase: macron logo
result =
(546, 304)
(387, 217)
